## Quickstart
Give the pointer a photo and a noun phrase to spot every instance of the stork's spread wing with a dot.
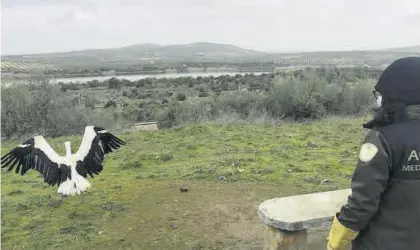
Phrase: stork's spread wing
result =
(36, 153)
(96, 143)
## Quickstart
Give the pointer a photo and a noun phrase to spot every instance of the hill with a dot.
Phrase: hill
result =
(374, 58)
(143, 53)
(160, 58)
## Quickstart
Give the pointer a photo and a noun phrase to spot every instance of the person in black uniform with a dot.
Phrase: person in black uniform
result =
(383, 210)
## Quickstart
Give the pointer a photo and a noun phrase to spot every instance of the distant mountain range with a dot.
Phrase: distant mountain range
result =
(145, 53)
(201, 52)
(146, 49)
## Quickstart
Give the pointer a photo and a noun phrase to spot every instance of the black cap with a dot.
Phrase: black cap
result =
(400, 81)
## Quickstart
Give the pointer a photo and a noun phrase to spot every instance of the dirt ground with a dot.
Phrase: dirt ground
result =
(143, 214)
(209, 216)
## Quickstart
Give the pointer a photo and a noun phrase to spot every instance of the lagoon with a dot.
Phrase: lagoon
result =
(144, 76)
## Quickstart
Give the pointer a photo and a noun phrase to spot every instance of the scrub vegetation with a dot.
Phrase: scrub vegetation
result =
(64, 109)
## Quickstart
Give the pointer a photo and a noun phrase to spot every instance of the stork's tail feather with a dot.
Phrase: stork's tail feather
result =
(76, 185)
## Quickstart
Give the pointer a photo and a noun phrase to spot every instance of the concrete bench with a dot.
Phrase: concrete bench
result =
(288, 219)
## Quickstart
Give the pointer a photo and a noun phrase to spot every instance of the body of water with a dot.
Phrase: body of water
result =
(143, 76)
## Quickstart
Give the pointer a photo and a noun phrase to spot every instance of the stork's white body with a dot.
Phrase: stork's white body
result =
(69, 172)
(77, 184)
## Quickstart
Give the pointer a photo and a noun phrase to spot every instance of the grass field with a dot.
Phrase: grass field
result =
(135, 203)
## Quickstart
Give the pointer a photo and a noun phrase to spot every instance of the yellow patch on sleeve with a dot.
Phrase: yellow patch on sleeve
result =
(367, 152)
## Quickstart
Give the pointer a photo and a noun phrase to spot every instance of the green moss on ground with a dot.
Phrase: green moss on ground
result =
(135, 202)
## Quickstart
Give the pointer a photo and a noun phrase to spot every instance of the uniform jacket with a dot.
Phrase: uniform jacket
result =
(384, 206)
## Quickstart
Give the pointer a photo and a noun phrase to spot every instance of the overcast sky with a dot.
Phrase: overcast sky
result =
(34, 26)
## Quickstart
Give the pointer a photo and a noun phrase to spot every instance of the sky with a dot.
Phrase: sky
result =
(39, 26)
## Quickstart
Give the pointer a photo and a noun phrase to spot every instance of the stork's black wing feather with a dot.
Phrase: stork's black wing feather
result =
(96, 143)
(36, 154)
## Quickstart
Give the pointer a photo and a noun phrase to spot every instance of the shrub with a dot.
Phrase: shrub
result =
(39, 108)
(110, 103)
(297, 99)
(114, 83)
(181, 97)
(42, 108)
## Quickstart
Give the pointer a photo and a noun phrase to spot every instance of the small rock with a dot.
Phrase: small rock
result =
(289, 170)
(220, 177)
(174, 226)
(268, 171)
(100, 232)
(312, 179)
(325, 181)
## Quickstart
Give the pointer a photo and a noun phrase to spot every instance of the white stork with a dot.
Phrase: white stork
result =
(69, 172)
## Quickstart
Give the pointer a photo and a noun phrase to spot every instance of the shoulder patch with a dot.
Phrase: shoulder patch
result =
(367, 152)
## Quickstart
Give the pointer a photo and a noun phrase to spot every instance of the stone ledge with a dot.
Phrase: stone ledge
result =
(299, 212)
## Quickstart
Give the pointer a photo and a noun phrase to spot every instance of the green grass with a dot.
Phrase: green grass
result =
(135, 203)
